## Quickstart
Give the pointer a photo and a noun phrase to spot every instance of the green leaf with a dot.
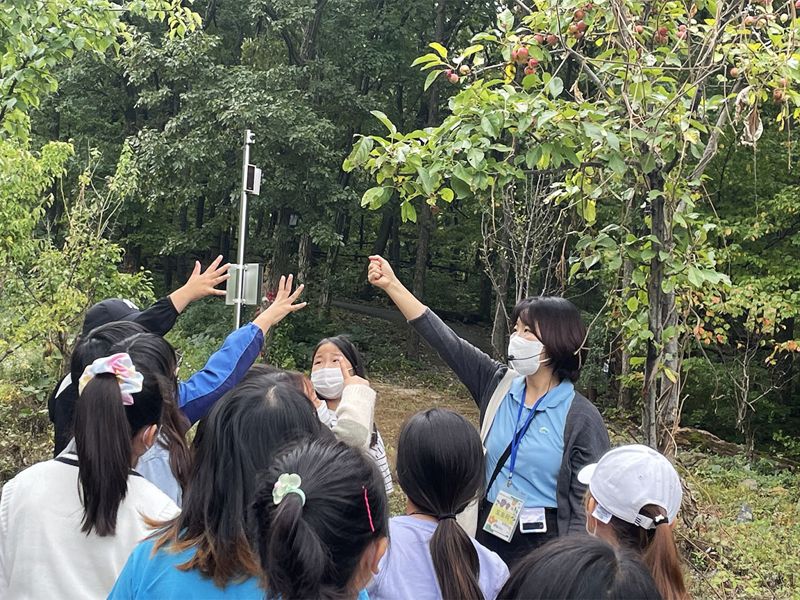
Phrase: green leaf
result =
(505, 20)
(695, 276)
(447, 194)
(555, 86)
(616, 164)
(385, 120)
(430, 79)
(425, 179)
(376, 197)
(426, 58)
(590, 211)
(408, 212)
(439, 48)
(475, 157)
(471, 50)
(359, 154)
(632, 303)
(648, 163)
(460, 187)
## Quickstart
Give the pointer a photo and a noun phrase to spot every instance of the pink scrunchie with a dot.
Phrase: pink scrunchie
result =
(121, 366)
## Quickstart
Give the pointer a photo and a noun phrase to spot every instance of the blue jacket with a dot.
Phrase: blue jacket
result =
(224, 369)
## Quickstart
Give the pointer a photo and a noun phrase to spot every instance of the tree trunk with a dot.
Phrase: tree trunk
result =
(625, 396)
(304, 258)
(500, 323)
(660, 413)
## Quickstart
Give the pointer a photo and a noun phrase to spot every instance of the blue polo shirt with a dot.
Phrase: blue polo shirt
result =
(541, 449)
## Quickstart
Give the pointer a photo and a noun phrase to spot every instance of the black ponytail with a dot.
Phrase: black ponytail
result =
(104, 427)
(440, 466)
(103, 442)
(313, 550)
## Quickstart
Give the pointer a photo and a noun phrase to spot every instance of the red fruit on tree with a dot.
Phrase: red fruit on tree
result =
(573, 28)
(552, 39)
(638, 28)
(749, 21)
(662, 31)
(734, 72)
(539, 38)
(797, 5)
(784, 82)
(581, 25)
(452, 78)
(463, 69)
(448, 72)
(778, 95)
(579, 14)
(514, 55)
(522, 54)
(529, 70)
(533, 63)
(578, 35)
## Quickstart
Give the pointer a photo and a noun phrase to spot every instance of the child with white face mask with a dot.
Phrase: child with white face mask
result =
(331, 358)
(537, 430)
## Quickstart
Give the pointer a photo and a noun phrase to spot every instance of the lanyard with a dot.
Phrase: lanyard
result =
(519, 434)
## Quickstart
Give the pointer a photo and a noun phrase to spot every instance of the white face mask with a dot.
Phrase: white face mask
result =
(524, 356)
(329, 383)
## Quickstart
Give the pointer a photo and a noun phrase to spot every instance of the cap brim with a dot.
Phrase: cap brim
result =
(585, 474)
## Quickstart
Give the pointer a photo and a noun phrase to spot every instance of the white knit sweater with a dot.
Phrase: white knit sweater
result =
(44, 554)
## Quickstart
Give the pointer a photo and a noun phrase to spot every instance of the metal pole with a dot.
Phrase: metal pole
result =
(239, 300)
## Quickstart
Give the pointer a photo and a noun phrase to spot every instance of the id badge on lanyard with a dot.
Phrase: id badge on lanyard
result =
(510, 503)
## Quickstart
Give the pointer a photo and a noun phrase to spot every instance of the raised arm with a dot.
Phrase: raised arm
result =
(226, 367)
(472, 366)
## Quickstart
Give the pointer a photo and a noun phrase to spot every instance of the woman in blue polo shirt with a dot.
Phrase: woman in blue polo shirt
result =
(537, 430)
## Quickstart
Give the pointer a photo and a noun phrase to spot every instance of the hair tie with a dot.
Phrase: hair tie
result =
(288, 483)
(447, 516)
(121, 366)
(369, 511)
(660, 520)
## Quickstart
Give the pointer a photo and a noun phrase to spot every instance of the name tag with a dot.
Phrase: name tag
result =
(504, 516)
(532, 520)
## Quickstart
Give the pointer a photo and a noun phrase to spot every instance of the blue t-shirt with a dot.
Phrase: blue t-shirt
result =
(540, 450)
(406, 570)
(157, 577)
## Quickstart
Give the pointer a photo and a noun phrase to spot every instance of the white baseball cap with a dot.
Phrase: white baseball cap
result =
(630, 477)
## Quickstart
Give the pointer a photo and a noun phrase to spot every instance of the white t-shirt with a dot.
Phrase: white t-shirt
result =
(44, 554)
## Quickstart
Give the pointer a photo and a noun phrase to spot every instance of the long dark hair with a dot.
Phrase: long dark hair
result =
(558, 324)
(312, 550)
(657, 549)
(579, 567)
(104, 428)
(239, 439)
(440, 466)
(98, 343)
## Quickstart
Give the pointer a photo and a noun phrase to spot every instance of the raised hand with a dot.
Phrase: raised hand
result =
(283, 304)
(201, 284)
(380, 273)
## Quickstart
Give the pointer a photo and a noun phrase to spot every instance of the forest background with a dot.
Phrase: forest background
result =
(637, 158)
